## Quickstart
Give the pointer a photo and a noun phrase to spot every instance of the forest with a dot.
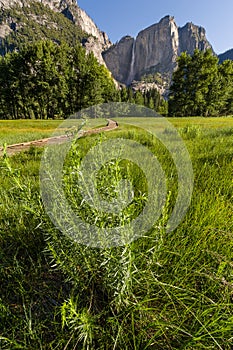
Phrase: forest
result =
(44, 80)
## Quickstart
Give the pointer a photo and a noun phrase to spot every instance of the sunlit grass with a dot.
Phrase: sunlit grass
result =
(17, 131)
(214, 122)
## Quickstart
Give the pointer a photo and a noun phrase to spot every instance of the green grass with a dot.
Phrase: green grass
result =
(17, 131)
(163, 291)
(214, 122)
(202, 122)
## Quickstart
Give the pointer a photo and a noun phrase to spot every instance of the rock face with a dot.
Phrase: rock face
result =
(228, 55)
(88, 26)
(192, 37)
(154, 50)
(97, 40)
(119, 58)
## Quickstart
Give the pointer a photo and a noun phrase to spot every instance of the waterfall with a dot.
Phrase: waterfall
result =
(131, 70)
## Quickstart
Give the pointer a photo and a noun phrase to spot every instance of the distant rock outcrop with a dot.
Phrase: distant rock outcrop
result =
(154, 50)
(228, 55)
(98, 41)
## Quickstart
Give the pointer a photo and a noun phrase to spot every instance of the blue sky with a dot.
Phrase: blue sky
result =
(122, 17)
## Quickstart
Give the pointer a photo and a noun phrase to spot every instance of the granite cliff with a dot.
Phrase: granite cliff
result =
(154, 50)
(26, 20)
(97, 40)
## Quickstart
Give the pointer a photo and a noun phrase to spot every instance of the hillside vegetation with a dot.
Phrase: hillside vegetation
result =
(37, 21)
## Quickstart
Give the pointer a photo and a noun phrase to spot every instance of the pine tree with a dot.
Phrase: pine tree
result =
(195, 88)
(226, 86)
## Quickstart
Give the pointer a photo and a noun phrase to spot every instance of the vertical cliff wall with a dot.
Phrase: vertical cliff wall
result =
(154, 50)
(119, 57)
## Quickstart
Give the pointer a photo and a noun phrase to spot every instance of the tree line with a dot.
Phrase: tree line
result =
(46, 80)
(148, 98)
(201, 86)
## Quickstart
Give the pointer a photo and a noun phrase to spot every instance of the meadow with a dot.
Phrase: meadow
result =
(17, 131)
(162, 291)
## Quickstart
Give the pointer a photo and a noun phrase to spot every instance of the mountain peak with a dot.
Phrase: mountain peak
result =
(155, 50)
(166, 18)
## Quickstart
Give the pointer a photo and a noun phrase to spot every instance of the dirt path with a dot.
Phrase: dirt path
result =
(19, 147)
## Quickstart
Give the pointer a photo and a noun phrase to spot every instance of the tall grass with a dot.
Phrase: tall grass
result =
(162, 291)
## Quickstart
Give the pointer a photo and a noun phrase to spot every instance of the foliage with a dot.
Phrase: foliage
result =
(45, 80)
(149, 98)
(200, 86)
